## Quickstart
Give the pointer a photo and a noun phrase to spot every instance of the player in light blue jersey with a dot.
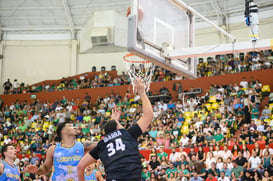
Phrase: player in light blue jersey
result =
(8, 171)
(92, 174)
(64, 156)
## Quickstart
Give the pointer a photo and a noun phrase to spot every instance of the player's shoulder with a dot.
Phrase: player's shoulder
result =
(51, 150)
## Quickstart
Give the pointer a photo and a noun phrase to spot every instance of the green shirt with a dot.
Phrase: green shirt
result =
(171, 170)
(23, 128)
(213, 173)
(218, 137)
(185, 171)
(145, 175)
(237, 171)
(176, 132)
(254, 110)
(85, 131)
(87, 118)
(160, 155)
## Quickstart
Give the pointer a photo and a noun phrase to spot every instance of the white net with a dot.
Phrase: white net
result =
(138, 67)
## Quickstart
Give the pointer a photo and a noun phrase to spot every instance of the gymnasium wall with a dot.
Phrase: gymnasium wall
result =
(34, 61)
(86, 61)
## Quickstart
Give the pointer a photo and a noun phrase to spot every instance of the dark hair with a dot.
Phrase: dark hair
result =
(110, 126)
(59, 129)
(5, 149)
(238, 148)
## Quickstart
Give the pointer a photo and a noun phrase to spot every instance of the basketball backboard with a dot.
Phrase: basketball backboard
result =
(157, 28)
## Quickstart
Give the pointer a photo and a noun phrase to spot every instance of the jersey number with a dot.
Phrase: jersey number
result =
(119, 146)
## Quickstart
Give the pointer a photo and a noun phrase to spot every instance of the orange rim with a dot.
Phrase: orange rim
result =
(126, 59)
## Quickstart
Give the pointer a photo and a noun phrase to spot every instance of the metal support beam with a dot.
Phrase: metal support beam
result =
(216, 9)
(184, 6)
(69, 18)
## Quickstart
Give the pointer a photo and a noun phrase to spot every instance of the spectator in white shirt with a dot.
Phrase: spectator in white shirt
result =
(184, 140)
(217, 152)
(174, 157)
(163, 106)
(270, 150)
(254, 162)
(226, 153)
(223, 177)
(244, 83)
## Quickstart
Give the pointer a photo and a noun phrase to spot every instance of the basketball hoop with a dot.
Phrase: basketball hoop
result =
(138, 67)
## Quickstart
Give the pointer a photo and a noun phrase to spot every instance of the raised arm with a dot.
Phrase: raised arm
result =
(46, 167)
(148, 115)
(85, 161)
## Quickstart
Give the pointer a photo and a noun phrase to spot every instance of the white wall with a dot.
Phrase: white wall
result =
(34, 61)
(87, 61)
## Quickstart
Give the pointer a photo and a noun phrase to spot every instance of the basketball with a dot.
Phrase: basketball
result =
(140, 12)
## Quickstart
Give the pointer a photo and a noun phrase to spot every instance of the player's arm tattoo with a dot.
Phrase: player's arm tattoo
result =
(88, 145)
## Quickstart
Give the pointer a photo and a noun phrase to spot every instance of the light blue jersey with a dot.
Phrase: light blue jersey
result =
(91, 177)
(66, 161)
(10, 173)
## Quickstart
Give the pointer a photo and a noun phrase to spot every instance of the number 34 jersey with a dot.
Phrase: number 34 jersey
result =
(119, 153)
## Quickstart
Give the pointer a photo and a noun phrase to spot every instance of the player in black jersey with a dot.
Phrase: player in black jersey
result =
(118, 150)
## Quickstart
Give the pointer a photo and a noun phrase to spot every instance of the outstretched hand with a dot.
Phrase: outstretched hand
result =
(139, 86)
(31, 169)
(116, 113)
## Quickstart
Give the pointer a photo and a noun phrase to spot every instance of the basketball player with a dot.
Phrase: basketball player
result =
(8, 171)
(91, 174)
(118, 150)
(64, 156)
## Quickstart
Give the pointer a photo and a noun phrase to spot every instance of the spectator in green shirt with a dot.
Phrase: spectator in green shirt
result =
(145, 174)
(218, 137)
(184, 172)
(161, 154)
(237, 171)
(213, 170)
(254, 112)
(171, 169)
(23, 126)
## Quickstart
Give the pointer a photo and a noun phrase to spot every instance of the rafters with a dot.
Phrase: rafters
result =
(69, 18)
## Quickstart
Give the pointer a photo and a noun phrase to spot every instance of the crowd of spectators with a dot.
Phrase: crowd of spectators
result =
(225, 64)
(227, 116)
(228, 64)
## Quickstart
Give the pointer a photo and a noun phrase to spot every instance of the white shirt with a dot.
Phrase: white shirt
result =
(260, 128)
(244, 84)
(184, 141)
(15, 85)
(226, 154)
(270, 151)
(217, 153)
(220, 165)
(173, 157)
(163, 106)
(223, 179)
(209, 161)
(254, 162)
